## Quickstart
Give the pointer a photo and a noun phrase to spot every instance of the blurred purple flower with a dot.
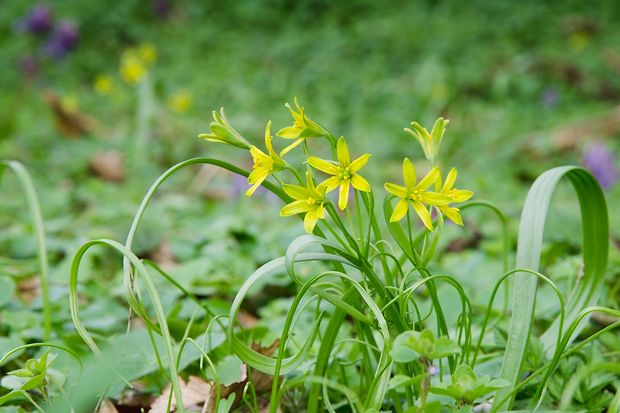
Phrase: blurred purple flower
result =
(549, 97)
(63, 40)
(29, 66)
(600, 161)
(240, 185)
(162, 8)
(39, 21)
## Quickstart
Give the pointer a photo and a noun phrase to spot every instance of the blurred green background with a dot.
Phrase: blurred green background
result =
(99, 97)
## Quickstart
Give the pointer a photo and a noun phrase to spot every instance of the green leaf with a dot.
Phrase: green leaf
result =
(7, 289)
(586, 293)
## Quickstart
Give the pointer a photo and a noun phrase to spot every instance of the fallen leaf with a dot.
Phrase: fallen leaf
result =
(68, 121)
(107, 407)
(195, 392)
(108, 165)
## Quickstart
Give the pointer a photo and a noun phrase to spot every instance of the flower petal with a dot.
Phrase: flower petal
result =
(259, 180)
(453, 214)
(360, 183)
(342, 150)
(312, 216)
(424, 215)
(330, 183)
(409, 174)
(296, 192)
(399, 191)
(290, 132)
(428, 180)
(357, 164)
(400, 210)
(295, 207)
(323, 165)
(290, 147)
(343, 195)
(460, 195)
(450, 179)
(435, 198)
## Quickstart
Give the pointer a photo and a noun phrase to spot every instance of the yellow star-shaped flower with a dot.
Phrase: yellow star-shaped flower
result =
(455, 195)
(345, 173)
(264, 164)
(302, 128)
(416, 194)
(309, 199)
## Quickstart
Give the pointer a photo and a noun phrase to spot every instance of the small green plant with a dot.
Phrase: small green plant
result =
(375, 334)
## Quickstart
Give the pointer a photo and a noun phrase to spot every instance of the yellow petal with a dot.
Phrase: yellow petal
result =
(453, 214)
(450, 179)
(296, 191)
(343, 152)
(290, 147)
(290, 132)
(343, 195)
(399, 191)
(460, 195)
(312, 216)
(360, 183)
(257, 153)
(295, 207)
(258, 174)
(409, 174)
(323, 165)
(428, 180)
(423, 213)
(268, 140)
(259, 180)
(400, 210)
(331, 183)
(357, 164)
(435, 198)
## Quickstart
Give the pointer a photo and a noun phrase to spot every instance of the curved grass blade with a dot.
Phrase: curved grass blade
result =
(595, 250)
(39, 230)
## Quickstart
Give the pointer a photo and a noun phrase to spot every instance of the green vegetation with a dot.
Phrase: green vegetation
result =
(124, 287)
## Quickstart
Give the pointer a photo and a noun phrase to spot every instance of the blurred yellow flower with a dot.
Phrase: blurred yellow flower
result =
(103, 85)
(133, 69)
(70, 103)
(578, 41)
(180, 102)
(147, 53)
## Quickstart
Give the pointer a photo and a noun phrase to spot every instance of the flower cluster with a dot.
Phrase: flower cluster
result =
(53, 40)
(343, 173)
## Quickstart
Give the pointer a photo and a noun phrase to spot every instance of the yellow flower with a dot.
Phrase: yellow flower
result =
(133, 69)
(303, 127)
(180, 102)
(223, 132)
(430, 142)
(455, 195)
(147, 53)
(416, 194)
(344, 174)
(308, 199)
(264, 164)
(103, 85)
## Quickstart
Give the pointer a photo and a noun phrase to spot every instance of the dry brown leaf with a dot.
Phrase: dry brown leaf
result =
(68, 122)
(107, 407)
(163, 255)
(195, 392)
(108, 165)
(29, 289)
